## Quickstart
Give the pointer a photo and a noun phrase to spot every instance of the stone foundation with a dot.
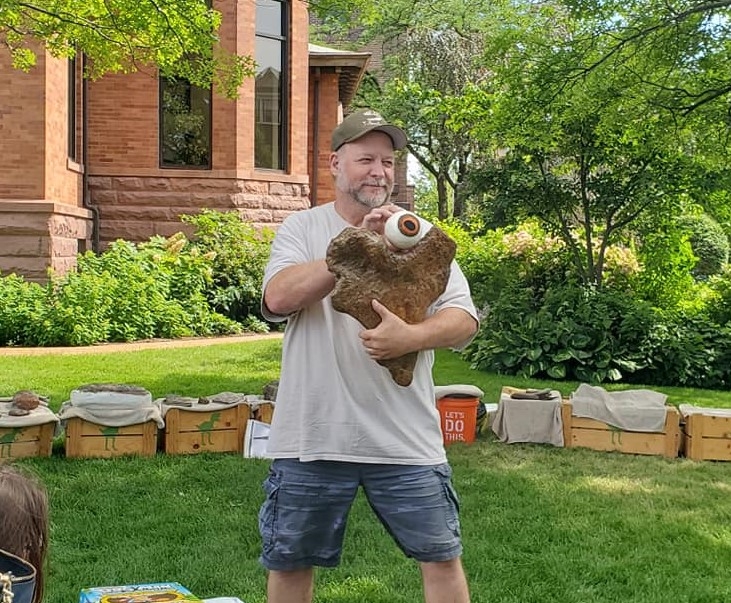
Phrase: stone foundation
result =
(38, 235)
(136, 208)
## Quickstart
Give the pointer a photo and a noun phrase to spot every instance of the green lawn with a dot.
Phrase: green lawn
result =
(540, 524)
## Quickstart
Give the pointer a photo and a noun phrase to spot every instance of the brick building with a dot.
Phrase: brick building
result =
(88, 162)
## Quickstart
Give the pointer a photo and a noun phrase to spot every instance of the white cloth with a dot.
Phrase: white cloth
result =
(629, 410)
(689, 409)
(333, 401)
(122, 399)
(529, 421)
(38, 416)
(112, 409)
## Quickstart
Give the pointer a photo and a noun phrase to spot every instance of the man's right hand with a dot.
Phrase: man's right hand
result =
(375, 219)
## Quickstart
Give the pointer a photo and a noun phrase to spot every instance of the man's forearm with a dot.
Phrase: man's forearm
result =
(297, 287)
(450, 327)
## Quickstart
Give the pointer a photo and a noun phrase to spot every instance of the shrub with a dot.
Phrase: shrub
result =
(665, 280)
(21, 309)
(571, 332)
(502, 258)
(689, 351)
(129, 292)
(720, 308)
(709, 243)
(240, 253)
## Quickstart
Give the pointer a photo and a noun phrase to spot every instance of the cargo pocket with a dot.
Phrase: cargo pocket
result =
(268, 511)
(452, 512)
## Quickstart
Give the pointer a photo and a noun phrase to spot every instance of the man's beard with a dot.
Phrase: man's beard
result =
(357, 193)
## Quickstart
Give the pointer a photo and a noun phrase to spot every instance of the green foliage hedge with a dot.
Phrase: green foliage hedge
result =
(165, 287)
(568, 333)
(709, 243)
(648, 324)
(239, 256)
(539, 322)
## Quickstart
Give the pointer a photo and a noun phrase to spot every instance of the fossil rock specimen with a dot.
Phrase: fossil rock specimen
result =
(26, 400)
(406, 282)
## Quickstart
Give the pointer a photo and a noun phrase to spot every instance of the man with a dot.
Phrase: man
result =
(341, 422)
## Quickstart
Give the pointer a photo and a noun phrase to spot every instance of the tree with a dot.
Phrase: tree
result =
(591, 115)
(678, 50)
(177, 36)
(427, 78)
(589, 158)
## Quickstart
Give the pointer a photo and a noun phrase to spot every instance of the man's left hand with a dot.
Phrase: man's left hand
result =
(391, 338)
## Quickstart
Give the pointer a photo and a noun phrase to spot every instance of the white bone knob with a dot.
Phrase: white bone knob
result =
(405, 229)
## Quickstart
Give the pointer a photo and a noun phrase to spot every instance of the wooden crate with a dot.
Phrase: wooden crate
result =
(190, 432)
(264, 412)
(87, 439)
(19, 442)
(589, 433)
(707, 437)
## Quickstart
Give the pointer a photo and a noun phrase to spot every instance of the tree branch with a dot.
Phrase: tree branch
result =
(644, 32)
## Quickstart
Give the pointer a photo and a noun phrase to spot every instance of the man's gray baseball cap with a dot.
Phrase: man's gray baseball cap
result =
(359, 123)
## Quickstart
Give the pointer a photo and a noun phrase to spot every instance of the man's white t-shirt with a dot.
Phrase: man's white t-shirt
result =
(333, 401)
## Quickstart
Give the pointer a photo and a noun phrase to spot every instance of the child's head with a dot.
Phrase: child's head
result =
(24, 519)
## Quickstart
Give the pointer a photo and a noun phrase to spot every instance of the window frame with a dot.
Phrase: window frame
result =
(284, 39)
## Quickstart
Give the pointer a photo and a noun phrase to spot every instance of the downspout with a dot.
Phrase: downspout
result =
(85, 196)
(315, 138)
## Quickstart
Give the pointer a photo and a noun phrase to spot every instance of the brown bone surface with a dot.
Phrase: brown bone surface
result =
(407, 283)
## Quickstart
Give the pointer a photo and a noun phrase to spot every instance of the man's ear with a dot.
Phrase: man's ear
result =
(334, 163)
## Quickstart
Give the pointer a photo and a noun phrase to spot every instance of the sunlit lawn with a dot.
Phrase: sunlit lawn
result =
(540, 524)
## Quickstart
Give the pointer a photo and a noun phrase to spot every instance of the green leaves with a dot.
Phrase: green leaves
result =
(568, 332)
(121, 36)
(239, 254)
(130, 292)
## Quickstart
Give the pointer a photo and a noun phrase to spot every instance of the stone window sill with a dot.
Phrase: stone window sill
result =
(73, 166)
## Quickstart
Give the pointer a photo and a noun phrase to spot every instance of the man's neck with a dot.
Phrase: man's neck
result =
(351, 211)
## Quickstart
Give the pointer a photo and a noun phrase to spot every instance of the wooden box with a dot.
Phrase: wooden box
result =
(707, 437)
(87, 439)
(19, 442)
(589, 433)
(264, 412)
(190, 432)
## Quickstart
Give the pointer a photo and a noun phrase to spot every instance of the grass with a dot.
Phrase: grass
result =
(540, 524)
(242, 367)
(191, 371)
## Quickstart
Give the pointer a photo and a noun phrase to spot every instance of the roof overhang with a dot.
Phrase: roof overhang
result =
(351, 67)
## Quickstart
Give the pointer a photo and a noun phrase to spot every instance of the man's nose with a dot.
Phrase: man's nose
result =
(378, 169)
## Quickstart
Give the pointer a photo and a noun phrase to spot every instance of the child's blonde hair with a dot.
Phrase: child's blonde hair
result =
(24, 519)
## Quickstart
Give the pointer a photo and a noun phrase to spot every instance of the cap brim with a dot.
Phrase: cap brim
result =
(396, 134)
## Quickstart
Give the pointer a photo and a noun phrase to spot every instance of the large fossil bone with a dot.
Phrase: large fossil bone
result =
(406, 282)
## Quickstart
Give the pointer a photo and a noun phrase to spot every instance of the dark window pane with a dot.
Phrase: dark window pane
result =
(72, 110)
(185, 124)
(269, 17)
